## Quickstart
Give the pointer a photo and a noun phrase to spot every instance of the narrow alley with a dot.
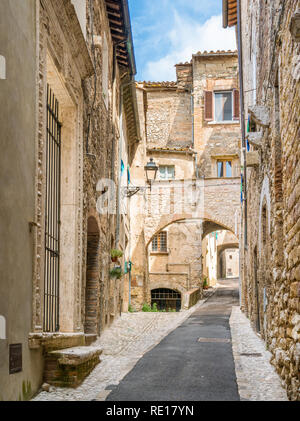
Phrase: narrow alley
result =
(175, 356)
(150, 200)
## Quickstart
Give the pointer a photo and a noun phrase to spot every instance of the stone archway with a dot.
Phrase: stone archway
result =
(221, 249)
(91, 325)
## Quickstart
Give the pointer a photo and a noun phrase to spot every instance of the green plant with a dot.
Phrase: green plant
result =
(26, 390)
(154, 308)
(130, 309)
(205, 282)
(115, 254)
(116, 272)
(146, 308)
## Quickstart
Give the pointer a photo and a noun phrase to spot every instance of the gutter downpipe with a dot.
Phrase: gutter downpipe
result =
(193, 132)
(243, 128)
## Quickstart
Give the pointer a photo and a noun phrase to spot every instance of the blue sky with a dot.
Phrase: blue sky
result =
(167, 32)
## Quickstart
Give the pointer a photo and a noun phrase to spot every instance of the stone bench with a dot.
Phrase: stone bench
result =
(69, 367)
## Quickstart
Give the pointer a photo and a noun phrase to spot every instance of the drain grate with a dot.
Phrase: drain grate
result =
(214, 340)
(254, 354)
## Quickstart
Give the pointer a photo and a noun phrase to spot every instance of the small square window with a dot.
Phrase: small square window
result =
(166, 172)
(159, 243)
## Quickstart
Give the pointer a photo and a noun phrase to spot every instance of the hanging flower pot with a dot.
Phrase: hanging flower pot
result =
(115, 255)
(116, 272)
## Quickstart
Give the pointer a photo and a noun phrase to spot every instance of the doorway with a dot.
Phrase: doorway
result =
(92, 278)
(256, 289)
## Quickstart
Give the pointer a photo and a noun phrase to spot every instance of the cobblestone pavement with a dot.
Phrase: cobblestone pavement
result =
(123, 344)
(256, 377)
(134, 334)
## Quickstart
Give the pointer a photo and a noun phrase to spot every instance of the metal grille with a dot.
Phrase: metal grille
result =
(52, 217)
(166, 299)
(160, 242)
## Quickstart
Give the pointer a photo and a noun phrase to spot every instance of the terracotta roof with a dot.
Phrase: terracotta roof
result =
(187, 63)
(166, 149)
(166, 84)
(230, 15)
(216, 53)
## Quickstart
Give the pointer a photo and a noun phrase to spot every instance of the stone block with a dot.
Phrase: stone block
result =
(253, 159)
(260, 114)
(69, 367)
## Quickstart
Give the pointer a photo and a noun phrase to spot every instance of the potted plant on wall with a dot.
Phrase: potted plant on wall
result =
(116, 272)
(205, 283)
(115, 255)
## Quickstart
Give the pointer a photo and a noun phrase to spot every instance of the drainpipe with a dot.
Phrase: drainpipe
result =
(243, 127)
(242, 106)
(193, 132)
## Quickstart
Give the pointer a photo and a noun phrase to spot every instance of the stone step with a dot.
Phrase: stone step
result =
(90, 338)
(69, 367)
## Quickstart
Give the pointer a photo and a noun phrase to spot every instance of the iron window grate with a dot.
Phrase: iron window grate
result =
(52, 215)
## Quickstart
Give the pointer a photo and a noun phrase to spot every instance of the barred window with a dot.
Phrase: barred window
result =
(159, 242)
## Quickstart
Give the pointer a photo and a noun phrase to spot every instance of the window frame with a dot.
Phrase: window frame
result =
(166, 166)
(158, 248)
(225, 168)
(232, 105)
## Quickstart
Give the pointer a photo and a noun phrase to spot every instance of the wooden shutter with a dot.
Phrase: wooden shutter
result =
(236, 104)
(208, 104)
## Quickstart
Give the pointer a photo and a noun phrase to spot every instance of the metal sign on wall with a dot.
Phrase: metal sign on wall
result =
(15, 358)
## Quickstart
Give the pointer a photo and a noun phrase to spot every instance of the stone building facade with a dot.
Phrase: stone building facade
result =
(190, 128)
(74, 102)
(269, 53)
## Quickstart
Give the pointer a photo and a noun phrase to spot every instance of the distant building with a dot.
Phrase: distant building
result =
(190, 128)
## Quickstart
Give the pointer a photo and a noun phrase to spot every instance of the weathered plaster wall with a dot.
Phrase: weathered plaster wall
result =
(17, 184)
(169, 118)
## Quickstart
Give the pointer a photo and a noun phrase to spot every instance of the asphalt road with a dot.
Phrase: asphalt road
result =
(193, 363)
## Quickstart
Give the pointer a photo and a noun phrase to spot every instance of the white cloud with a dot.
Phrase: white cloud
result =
(187, 37)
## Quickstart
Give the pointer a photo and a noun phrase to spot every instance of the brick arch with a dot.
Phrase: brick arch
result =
(168, 220)
(167, 285)
(92, 277)
(265, 202)
(172, 286)
(223, 247)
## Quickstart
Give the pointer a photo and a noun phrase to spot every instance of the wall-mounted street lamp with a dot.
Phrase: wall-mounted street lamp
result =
(151, 172)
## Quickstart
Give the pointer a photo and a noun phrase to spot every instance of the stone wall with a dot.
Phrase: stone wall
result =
(270, 293)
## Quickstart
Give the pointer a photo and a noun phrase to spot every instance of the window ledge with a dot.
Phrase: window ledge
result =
(214, 123)
(158, 253)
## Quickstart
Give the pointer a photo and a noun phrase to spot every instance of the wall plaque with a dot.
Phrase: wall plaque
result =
(15, 358)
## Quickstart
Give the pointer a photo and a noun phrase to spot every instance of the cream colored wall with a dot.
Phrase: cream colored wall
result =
(210, 259)
(17, 192)
(232, 265)
(183, 163)
(183, 255)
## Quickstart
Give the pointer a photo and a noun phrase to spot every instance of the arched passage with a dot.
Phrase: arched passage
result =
(222, 260)
(175, 253)
(92, 281)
